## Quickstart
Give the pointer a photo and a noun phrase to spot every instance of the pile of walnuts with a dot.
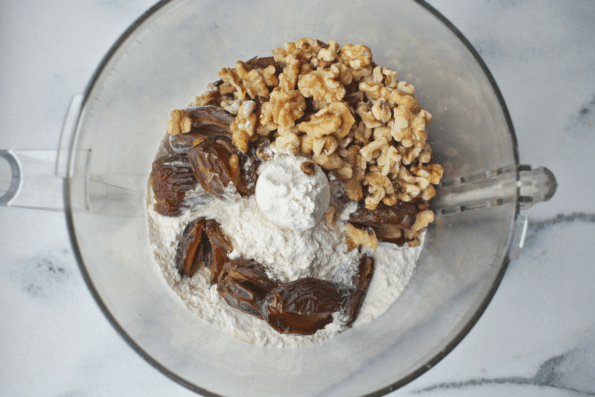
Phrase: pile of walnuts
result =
(332, 104)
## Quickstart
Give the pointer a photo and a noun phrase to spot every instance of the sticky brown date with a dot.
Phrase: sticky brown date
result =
(194, 249)
(243, 284)
(304, 306)
(387, 221)
(220, 246)
(171, 177)
(361, 281)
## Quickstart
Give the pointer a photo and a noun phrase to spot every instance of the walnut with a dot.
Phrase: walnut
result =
(290, 143)
(372, 89)
(378, 193)
(232, 83)
(362, 134)
(308, 48)
(329, 54)
(400, 128)
(322, 123)
(428, 193)
(322, 85)
(330, 162)
(404, 100)
(362, 74)
(231, 106)
(426, 154)
(347, 119)
(389, 160)
(407, 88)
(252, 80)
(357, 56)
(345, 76)
(307, 145)
(373, 149)
(289, 78)
(390, 199)
(181, 122)
(362, 237)
(364, 111)
(353, 186)
(243, 126)
(432, 172)
(283, 108)
(382, 132)
(408, 155)
(422, 220)
(390, 79)
(381, 111)
(325, 145)
(377, 75)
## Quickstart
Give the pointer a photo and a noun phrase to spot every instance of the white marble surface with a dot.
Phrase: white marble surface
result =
(536, 338)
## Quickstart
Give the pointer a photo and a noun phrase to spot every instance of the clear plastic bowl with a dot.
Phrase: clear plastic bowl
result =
(166, 58)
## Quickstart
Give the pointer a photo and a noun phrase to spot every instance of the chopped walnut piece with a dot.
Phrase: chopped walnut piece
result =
(422, 220)
(381, 111)
(389, 160)
(372, 89)
(353, 186)
(231, 106)
(252, 80)
(432, 172)
(243, 126)
(232, 83)
(325, 145)
(364, 111)
(362, 74)
(329, 54)
(378, 193)
(180, 122)
(358, 56)
(373, 149)
(362, 134)
(289, 143)
(322, 85)
(322, 123)
(307, 146)
(283, 108)
(390, 79)
(365, 237)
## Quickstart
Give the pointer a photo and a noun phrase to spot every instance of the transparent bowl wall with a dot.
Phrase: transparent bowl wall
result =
(167, 58)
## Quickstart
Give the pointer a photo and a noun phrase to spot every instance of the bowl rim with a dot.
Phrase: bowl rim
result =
(380, 392)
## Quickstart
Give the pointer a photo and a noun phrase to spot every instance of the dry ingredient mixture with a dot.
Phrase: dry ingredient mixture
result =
(289, 202)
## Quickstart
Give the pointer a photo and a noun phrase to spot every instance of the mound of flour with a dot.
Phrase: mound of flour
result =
(287, 255)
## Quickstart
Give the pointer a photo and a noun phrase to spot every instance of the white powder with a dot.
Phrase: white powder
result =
(287, 255)
(288, 197)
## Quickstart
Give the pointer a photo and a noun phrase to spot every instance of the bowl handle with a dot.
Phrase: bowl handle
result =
(35, 178)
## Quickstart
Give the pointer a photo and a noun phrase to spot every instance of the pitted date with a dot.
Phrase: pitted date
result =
(304, 306)
(182, 143)
(221, 169)
(203, 243)
(220, 246)
(171, 177)
(387, 221)
(210, 115)
(361, 281)
(194, 249)
(243, 284)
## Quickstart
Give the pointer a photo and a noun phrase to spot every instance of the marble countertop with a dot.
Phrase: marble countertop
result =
(537, 336)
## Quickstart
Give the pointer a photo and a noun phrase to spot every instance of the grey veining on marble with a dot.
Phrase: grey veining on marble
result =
(537, 336)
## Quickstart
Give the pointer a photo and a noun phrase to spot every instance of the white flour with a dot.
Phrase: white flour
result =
(287, 255)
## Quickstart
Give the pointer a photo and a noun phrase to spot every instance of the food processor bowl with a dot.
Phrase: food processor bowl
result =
(168, 57)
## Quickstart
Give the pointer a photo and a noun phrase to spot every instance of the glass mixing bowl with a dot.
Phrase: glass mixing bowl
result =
(169, 56)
